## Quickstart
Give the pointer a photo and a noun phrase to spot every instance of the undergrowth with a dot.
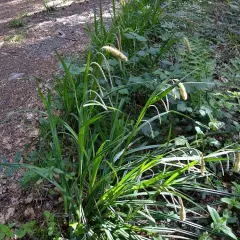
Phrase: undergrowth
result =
(140, 139)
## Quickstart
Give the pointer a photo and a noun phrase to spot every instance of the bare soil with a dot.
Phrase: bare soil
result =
(27, 53)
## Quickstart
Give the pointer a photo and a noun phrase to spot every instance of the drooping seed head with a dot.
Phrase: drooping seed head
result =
(202, 165)
(116, 53)
(237, 163)
(187, 44)
(182, 211)
(182, 91)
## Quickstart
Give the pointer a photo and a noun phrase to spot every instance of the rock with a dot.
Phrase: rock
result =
(34, 133)
(2, 219)
(15, 76)
(5, 140)
(29, 198)
(13, 186)
(61, 34)
(2, 189)
(10, 213)
(29, 212)
(8, 146)
(14, 200)
(40, 181)
(30, 117)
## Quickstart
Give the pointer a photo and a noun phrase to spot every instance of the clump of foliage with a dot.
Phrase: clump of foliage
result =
(49, 6)
(16, 23)
(9, 231)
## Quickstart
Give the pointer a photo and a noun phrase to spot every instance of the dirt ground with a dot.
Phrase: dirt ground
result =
(27, 52)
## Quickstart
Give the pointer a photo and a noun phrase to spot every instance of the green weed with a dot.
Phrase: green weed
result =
(16, 23)
(15, 38)
(9, 231)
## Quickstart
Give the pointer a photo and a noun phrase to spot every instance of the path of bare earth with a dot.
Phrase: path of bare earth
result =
(28, 52)
(25, 53)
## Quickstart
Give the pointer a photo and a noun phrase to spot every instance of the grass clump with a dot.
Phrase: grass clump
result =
(49, 6)
(118, 185)
(16, 23)
(15, 38)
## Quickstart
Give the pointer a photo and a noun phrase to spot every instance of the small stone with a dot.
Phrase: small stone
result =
(39, 181)
(61, 34)
(5, 140)
(29, 212)
(13, 186)
(10, 213)
(14, 76)
(14, 200)
(8, 146)
(34, 133)
(30, 117)
(2, 219)
(29, 198)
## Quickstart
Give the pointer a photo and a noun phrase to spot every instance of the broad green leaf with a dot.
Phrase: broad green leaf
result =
(124, 91)
(227, 200)
(2, 235)
(182, 106)
(141, 39)
(227, 230)
(20, 233)
(199, 131)
(214, 214)
(180, 141)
